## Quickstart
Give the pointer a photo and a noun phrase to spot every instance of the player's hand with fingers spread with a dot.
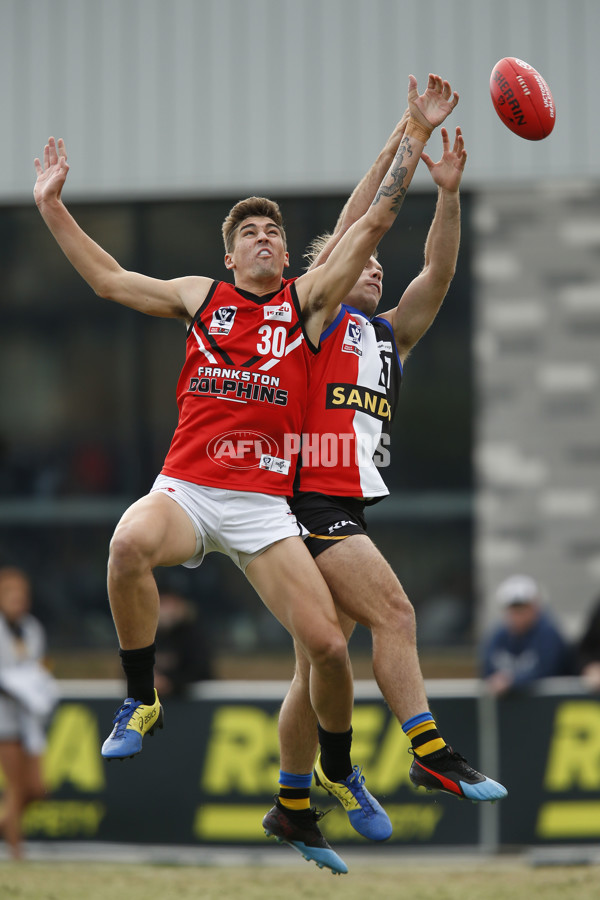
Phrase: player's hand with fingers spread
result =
(52, 174)
(447, 173)
(434, 105)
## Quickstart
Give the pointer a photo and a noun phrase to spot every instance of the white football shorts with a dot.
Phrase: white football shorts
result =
(240, 524)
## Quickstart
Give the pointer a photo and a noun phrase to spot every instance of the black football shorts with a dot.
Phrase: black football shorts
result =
(328, 519)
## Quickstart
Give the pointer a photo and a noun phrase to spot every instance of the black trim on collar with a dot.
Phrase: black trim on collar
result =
(263, 298)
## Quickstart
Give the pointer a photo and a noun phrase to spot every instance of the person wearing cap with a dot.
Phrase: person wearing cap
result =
(528, 644)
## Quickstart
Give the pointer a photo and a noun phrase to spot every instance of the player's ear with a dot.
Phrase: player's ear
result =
(228, 261)
(286, 260)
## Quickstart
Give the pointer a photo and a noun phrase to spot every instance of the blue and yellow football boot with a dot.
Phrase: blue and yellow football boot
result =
(365, 813)
(131, 722)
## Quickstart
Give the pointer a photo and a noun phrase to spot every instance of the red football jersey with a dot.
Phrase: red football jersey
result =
(352, 399)
(242, 392)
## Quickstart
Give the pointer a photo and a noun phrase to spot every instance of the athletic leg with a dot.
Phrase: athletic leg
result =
(340, 779)
(155, 531)
(290, 585)
(366, 589)
(297, 719)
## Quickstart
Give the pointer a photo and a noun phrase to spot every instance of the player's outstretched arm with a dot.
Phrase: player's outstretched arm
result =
(178, 298)
(322, 289)
(364, 193)
(423, 297)
(423, 106)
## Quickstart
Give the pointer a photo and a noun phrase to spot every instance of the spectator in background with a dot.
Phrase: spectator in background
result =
(528, 645)
(588, 651)
(27, 697)
(182, 650)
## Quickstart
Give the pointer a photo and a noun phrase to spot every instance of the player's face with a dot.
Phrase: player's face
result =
(366, 293)
(259, 251)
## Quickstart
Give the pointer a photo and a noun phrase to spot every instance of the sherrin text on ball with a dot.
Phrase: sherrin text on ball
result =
(522, 99)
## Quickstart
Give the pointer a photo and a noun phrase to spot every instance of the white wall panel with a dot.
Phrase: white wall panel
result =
(223, 96)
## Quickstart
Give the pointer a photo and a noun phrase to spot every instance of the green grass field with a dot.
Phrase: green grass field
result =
(431, 880)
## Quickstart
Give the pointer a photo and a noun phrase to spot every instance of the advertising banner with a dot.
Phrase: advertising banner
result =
(550, 756)
(210, 775)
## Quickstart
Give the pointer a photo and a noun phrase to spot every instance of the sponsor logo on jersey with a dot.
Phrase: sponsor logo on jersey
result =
(352, 342)
(222, 320)
(282, 313)
(355, 396)
(241, 449)
(238, 385)
(275, 464)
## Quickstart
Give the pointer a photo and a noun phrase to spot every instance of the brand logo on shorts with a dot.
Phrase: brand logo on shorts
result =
(241, 449)
(337, 525)
(222, 320)
(353, 339)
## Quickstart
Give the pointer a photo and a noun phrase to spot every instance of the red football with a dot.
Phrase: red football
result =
(522, 99)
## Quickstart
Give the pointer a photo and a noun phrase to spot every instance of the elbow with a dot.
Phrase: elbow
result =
(108, 286)
(103, 289)
(447, 275)
(377, 227)
(439, 278)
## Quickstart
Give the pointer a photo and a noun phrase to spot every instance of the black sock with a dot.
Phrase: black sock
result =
(138, 666)
(335, 753)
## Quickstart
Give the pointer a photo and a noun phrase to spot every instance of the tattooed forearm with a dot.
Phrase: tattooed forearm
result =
(397, 174)
(399, 201)
(394, 189)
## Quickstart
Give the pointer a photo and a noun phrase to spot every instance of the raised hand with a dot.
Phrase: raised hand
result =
(447, 173)
(52, 175)
(433, 106)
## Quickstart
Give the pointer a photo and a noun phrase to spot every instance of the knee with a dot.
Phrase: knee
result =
(398, 614)
(128, 554)
(330, 652)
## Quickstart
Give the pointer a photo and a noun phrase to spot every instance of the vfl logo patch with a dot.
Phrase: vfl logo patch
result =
(222, 320)
(282, 313)
(353, 339)
(274, 464)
